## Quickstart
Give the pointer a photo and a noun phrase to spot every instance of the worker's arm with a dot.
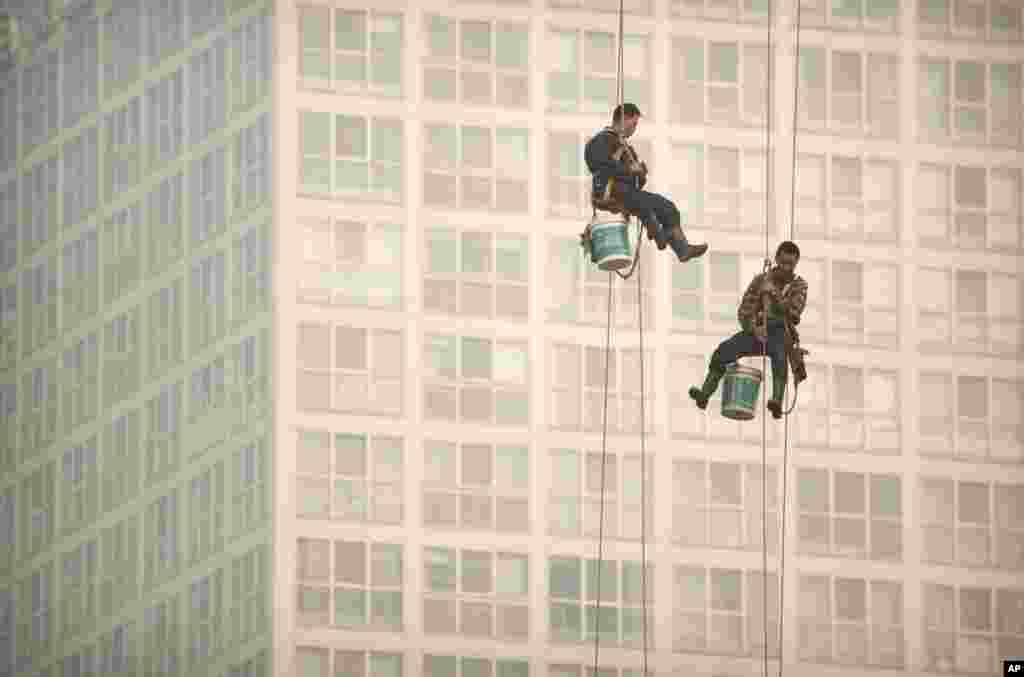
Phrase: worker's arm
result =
(796, 301)
(750, 304)
(599, 158)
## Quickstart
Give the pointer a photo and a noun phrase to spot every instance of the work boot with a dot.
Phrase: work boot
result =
(657, 233)
(703, 394)
(778, 392)
(693, 251)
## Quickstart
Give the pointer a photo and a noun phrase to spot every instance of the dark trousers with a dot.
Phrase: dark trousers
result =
(745, 344)
(664, 212)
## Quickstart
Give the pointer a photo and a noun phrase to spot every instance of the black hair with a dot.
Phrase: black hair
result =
(629, 109)
(788, 247)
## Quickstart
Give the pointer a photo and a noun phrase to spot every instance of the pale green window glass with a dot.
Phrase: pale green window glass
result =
(511, 257)
(385, 665)
(387, 608)
(476, 358)
(566, 621)
(350, 43)
(476, 667)
(387, 148)
(440, 37)
(882, 9)
(439, 463)
(440, 356)
(565, 468)
(633, 625)
(885, 496)
(608, 625)
(350, 499)
(564, 577)
(512, 575)
(812, 490)
(609, 580)
(563, 76)
(351, 168)
(476, 253)
(512, 465)
(724, 62)
(512, 668)
(316, 150)
(512, 47)
(757, 7)
(847, 9)
(442, 251)
(475, 42)
(440, 666)
(936, 96)
(315, 38)
(312, 663)
(510, 364)
(933, 11)
(512, 148)
(349, 607)
(386, 50)
(688, 307)
(726, 590)
(440, 569)
(442, 143)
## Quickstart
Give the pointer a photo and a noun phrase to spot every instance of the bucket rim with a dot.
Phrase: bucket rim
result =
(744, 370)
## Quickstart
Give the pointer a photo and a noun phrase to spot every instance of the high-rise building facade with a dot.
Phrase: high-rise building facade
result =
(302, 368)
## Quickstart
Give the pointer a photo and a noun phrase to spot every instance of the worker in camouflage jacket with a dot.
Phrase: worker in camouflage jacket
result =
(769, 312)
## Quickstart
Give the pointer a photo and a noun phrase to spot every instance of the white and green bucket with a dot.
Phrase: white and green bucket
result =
(609, 243)
(740, 390)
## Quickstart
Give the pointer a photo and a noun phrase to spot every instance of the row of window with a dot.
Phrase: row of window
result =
(225, 500)
(145, 236)
(716, 610)
(217, 615)
(62, 86)
(487, 62)
(483, 486)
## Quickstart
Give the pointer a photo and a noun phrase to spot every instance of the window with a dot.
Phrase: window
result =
(854, 408)
(476, 486)
(574, 507)
(249, 500)
(971, 418)
(114, 652)
(250, 361)
(362, 54)
(80, 68)
(848, 198)
(865, 306)
(36, 613)
(39, 292)
(80, 663)
(721, 611)
(165, 329)
(78, 593)
(312, 662)
(582, 71)
(166, 117)
(970, 207)
(720, 186)
(40, 200)
(358, 478)
(39, 416)
(123, 149)
(567, 670)
(845, 92)
(867, 15)
(250, 178)
(8, 424)
(479, 273)
(81, 169)
(204, 16)
(569, 183)
(8, 623)
(477, 62)
(9, 121)
(122, 255)
(209, 305)
(969, 19)
(208, 90)
(206, 513)
(850, 514)
(851, 621)
(40, 108)
(8, 225)
(468, 666)
(166, 28)
(208, 185)
(366, 663)
(476, 168)
(577, 290)
(476, 593)
(972, 524)
(578, 381)
(969, 311)
(973, 102)
(206, 619)
(162, 642)
(573, 596)
(638, 7)
(121, 353)
(166, 216)
(719, 505)
(365, 584)
(251, 55)
(249, 581)
(364, 159)
(731, 87)
(80, 374)
(8, 531)
(122, 46)
(362, 367)
(348, 262)
(162, 553)
(258, 666)
(163, 415)
(81, 279)
(121, 451)
(476, 380)
(80, 487)
(749, 11)
(208, 416)
(968, 629)
(8, 326)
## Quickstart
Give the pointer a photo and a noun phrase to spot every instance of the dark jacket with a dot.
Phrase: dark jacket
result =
(605, 157)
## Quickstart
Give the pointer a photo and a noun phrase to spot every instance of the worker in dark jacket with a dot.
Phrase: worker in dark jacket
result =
(619, 179)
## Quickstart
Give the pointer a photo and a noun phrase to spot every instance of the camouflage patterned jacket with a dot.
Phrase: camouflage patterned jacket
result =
(792, 298)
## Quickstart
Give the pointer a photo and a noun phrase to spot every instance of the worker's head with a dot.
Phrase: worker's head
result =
(625, 118)
(786, 257)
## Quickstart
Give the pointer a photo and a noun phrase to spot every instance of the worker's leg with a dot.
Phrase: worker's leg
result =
(667, 214)
(780, 372)
(728, 351)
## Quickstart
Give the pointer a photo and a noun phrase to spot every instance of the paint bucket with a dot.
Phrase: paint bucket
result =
(740, 390)
(609, 243)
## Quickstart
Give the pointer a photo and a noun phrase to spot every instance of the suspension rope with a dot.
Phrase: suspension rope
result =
(784, 504)
(643, 414)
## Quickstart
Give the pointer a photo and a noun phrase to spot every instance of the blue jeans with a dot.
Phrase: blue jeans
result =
(657, 209)
(745, 344)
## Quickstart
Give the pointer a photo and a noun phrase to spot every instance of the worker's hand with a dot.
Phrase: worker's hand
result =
(761, 332)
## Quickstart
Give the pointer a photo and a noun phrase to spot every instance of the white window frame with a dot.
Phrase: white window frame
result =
(869, 111)
(716, 11)
(80, 180)
(166, 214)
(79, 589)
(612, 601)
(374, 165)
(80, 486)
(162, 625)
(953, 105)
(581, 393)
(122, 253)
(209, 300)
(162, 551)
(820, 207)
(165, 118)
(638, 83)
(370, 52)
(119, 569)
(206, 618)
(122, 444)
(163, 421)
(1002, 224)
(81, 375)
(747, 104)
(950, 28)
(251, 62)
(955, 642)
(821, 13)
(872, 428)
